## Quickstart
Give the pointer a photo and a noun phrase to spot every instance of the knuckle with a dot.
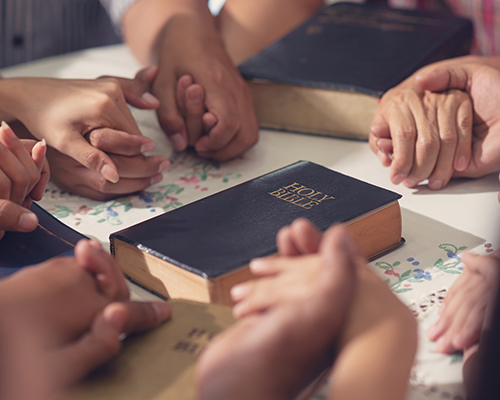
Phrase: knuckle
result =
(448, 137)
(102, 186)
(110, 346)
(428, 142)
(405, 133)
(97, 138)
(90, 159)
(4, 211)
(465, 122)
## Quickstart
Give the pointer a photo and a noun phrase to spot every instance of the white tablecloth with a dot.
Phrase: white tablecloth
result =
(438, 226)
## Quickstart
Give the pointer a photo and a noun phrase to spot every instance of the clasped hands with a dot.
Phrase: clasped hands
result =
(440, 123)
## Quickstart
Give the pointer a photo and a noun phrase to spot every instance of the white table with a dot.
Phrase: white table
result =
(464, 214)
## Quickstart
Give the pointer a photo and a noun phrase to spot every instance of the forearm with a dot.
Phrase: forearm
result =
(378, 344)
(382, 358)
(248, 26)
(145, 22)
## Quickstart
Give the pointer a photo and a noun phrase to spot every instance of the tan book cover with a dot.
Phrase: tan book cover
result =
(160, 364)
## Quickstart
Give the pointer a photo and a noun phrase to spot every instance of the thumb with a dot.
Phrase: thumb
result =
(136, 91)
(14, 217)
(82, 151)
(445, 78)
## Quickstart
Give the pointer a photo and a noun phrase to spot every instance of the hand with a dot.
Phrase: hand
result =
(136, 173)
(463, 313)
(76, 308)
(203, 99)
(422, 135)
(24, 174)
(270, 354)
(482, 83)
(89, 120)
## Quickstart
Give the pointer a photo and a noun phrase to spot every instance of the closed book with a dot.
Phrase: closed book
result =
(160, 364)
(199, 251)
(51, 238)
(326, 76)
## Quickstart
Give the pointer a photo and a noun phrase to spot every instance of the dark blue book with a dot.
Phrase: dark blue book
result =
(326, 76)
(51, 238)
(199, 251)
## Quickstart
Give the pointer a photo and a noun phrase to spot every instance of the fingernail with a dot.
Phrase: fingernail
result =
(237, 292)
(461, 164)
(257, 264)
(201, 148)
(149, 146)
(8, 131)
(155, 179)
(149, 99)
(194, 96)
(431, 332)
(440, 344)
(435, 184)
(27, 221)
(164, 166)
(110, 174)
(178, 141)
(115, 316)
(398, 179)
(161, 310)
(349, 243)
(95, 244)
(409, 183)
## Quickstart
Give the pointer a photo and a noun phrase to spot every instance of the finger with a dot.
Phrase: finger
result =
(94, 159)
(114, 110)
(140, 166)
(241, 142)
(255, 296)
(168, 113)
(465, 117)
(39, 152)
(195, 109)
(471, 330)
(17, 165)
(145, 315)
(14, 217)
(209, 121)
(180, 94)
(445, 78)
(109, 277)
(427, 144)
(403, 133)
(136, 91)
(95, 347)
(305, 235)
(118, 142)
(385, 152)
(87, 183)
(379, 127)
(448, 138)
(222, 134)
(285, 243)
(268, 265)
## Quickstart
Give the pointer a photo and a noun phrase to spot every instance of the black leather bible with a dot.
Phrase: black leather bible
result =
(51, 238)
(326, 76)
(199, 251)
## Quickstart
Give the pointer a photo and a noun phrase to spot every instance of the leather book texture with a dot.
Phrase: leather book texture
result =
(51, 238)
(358, 47)
(222, 232)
